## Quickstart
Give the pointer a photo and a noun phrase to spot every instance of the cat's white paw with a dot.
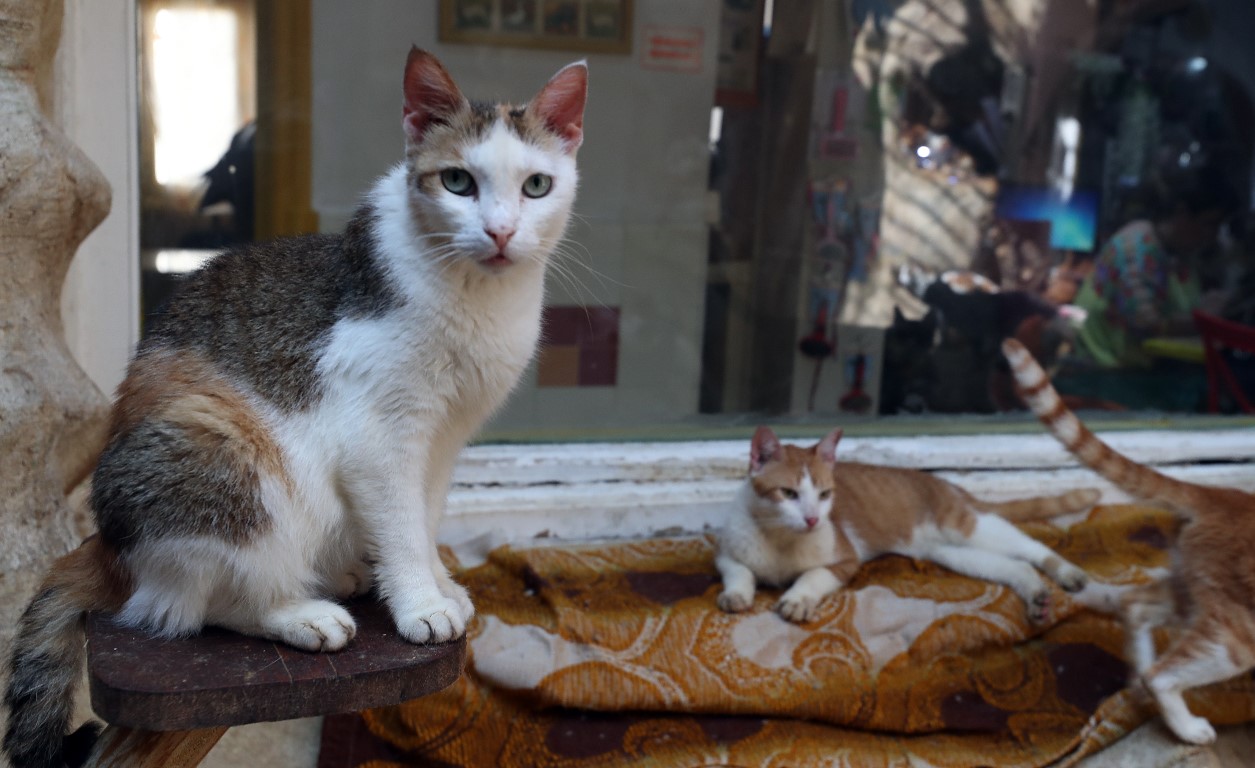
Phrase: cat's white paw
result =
(797, 608)
(1040, 604)
(458, 594)
(734, 602)
(315, 625)
(1071, 578)
(1192, 729)
(437, 621)
(356, 580)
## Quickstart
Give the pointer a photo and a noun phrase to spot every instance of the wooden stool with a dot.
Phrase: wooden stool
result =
(167, 702)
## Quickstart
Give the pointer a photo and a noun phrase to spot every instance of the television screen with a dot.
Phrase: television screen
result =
(1073, 222)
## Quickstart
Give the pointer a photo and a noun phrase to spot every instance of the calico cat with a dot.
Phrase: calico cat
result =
(287, 430)
(805, 518)
(1210, 593)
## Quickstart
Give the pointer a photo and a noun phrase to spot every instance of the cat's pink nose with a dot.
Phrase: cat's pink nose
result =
(811, 522)
(500, 237)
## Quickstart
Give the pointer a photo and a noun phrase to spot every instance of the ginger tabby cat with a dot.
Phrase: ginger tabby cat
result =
(805, 518)
(1210, 593)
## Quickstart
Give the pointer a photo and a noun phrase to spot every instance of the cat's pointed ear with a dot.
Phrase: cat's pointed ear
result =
(431, 96)
(827, 448)
(763, 448)
(560, 104)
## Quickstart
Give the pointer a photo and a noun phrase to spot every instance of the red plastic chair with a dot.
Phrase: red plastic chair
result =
(1218, 335)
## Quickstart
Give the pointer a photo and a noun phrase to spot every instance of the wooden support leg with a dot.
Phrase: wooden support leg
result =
(126, 748)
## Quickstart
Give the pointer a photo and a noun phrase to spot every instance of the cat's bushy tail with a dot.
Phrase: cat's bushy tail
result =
(48, 656)
(1137, 480)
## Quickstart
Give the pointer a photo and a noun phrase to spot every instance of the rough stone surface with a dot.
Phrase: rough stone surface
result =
(51, 415)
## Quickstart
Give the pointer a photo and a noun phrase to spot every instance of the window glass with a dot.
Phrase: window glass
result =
(789, 212)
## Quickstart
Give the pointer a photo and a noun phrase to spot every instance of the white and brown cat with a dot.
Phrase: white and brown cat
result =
(1210, 593)
(295, 413)
(803, 518)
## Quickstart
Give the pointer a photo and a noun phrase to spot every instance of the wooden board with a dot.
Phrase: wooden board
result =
(220, 678)
(125, 748)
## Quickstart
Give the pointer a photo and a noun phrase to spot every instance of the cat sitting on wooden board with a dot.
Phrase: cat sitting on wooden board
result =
(287, 429)
(807, 521)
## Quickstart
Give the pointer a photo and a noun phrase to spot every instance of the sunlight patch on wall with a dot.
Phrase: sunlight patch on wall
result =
(195, 90)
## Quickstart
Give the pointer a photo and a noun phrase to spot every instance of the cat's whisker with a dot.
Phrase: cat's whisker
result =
(572, 286)
(577, 287)
(564, 247)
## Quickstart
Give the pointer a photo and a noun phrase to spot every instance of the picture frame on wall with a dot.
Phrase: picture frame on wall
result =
(589, 26)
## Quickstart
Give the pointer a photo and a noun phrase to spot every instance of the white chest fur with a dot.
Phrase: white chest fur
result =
(776, 557)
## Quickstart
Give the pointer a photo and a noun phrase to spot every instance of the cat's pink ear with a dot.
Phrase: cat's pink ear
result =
(763, 448)
(430, 94)
(827, 448)
(560, 104)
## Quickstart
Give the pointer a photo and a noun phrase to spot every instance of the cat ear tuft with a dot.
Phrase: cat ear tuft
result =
(827, 448)
(560, 104)
(763, 448)
(431, 96)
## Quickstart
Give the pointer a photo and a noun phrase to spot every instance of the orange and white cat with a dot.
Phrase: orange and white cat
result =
(805, 518)
(1210, 593)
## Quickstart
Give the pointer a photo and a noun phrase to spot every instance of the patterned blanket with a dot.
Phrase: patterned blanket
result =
(616, 655)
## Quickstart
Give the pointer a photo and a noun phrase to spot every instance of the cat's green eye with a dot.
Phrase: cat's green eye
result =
(458, 181)
(788, 493)
(537, 185)
(825, 494)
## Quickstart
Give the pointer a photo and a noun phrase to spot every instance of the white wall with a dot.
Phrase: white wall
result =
(96, 107)
(643, 168)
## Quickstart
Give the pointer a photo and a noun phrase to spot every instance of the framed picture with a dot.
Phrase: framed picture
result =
(593, 26)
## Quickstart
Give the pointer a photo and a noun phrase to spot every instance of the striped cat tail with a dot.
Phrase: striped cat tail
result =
(1045, 507)
(1137, 480)
(48, 657)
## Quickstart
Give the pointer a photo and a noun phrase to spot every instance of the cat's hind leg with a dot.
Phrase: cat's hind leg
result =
(277, 585)
(994, 534)
(1196, 659)
(354, 579)
(999, 568)
(173, 584)
(183, 584)
(1144, 608)
(309, 624)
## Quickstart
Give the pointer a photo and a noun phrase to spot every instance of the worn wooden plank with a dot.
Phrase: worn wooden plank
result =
(126, 748)
(220, 678)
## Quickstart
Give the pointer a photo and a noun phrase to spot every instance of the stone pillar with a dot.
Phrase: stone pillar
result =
(52, 418)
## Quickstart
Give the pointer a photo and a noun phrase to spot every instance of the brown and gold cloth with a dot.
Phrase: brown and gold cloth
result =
(616, 655)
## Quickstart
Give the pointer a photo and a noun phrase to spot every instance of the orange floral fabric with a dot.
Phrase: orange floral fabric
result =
(615, 654)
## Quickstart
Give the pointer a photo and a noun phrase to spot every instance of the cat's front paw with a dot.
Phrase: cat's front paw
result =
(734, 602)
(436, 621)
(460, 595)
(797, 608)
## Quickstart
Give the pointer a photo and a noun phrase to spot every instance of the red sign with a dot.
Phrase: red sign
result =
(672, 49)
